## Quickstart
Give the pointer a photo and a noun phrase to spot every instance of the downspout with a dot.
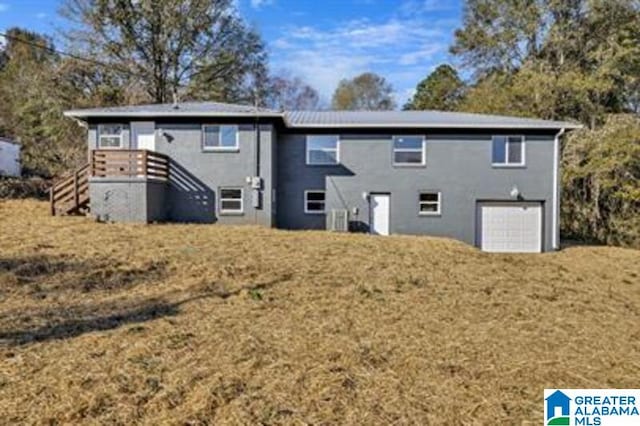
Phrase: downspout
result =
(555, 234)
(256, 192)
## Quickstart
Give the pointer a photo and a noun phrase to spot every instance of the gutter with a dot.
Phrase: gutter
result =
(555, 217)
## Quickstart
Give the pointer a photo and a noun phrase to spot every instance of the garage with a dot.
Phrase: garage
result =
(510, 227)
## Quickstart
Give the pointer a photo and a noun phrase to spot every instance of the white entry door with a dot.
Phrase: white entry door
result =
(144, 135)
(510, 227)
(379, 207)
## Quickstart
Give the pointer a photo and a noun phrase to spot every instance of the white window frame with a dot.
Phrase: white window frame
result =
(506, 151)
(219, 147)
(120, 136)
(423, 151)
(227, 211)
(437, 203)
(306, 201)
(337, 150)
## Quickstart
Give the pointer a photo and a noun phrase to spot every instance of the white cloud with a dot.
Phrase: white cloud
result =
(257, 4)
(401, 50)
(41, 15)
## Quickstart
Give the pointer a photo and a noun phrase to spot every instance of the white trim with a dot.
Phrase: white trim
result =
(306, 201)
(337, 150)
(437, 203)
(227, 211)
(555, 216)
(422, 150)
(507, 164)
(119, 136)
(219, 147)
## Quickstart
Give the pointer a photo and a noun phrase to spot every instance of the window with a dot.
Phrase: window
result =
(314, 202)
(508, 151)
(322, 150)
(429, 203)
(220, 138)
(231, 200)
(408, 150)
(110, 135)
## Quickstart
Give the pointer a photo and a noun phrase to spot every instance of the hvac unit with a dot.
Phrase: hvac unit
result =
(339, 220)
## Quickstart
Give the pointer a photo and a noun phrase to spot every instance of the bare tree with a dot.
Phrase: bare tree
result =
(200, 48)
(286, 93)
(367, 91)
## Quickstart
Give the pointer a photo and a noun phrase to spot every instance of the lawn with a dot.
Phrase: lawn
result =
(205, 324)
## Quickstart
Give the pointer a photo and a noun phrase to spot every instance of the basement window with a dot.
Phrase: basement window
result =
(314, 202)
(110, 135)
(231, 201)
(323, 150)
(508, 151)
(429, 203)
(408, 151)
(220, 138)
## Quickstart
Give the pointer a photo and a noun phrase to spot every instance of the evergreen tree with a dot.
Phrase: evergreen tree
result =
(441, 90)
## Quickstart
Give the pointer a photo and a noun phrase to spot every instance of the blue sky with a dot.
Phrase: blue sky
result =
(322, 41)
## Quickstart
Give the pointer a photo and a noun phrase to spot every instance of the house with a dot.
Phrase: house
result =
(9, 158)
(487, 180)
(557, 405)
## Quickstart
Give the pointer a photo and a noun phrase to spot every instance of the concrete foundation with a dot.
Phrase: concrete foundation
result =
(138, 200)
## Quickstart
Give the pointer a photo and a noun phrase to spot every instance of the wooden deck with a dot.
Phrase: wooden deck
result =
(70, 194)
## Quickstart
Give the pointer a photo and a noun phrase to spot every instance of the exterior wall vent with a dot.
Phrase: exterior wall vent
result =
(339, 220)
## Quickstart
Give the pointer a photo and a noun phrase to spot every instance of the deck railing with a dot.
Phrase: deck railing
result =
(129, 163)
(70, 194)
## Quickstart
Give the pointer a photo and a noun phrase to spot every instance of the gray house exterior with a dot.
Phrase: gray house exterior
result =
(490, 181)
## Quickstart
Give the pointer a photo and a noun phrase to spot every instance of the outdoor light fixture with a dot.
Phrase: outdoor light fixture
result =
(515, 192)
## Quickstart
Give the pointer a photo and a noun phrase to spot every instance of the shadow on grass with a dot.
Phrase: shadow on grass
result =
(43, 274)
(54, 324)
(66, 322)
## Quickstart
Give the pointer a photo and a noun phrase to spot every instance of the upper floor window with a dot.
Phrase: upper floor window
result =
(220, 138)
(508, 151)
(322, 150)
(408, 150)
(110, 135)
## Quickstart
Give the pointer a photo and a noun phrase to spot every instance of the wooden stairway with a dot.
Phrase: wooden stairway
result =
(70, 195)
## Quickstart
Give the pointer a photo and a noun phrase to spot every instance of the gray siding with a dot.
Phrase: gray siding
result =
(197, 175)
(458, 166)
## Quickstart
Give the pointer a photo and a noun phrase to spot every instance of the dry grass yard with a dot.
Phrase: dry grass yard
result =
(204, 324)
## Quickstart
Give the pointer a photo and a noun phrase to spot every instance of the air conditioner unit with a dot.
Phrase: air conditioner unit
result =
(339, 220)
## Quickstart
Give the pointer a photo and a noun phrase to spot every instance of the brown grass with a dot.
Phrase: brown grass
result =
(205, 324)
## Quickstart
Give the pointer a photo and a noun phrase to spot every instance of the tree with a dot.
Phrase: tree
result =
(567, 59)
(33, 97)
(498, 35)
(601, 182)
(200, 49)
(441, 90)
(367, 91)
(287, 93)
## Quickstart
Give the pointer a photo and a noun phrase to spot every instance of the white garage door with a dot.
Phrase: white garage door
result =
(510, 227)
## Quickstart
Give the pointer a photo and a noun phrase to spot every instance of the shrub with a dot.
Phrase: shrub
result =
(33, 187)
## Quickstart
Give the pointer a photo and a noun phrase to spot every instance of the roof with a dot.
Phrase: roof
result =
(183, 109)
(328, 119)
(416, 119)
